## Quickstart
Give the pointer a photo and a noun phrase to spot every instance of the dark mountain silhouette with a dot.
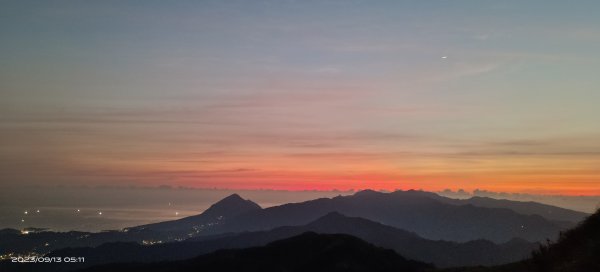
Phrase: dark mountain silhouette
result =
(577, 250)
(415, 211)
(428, 214)
(440, 253)
(523, 207)
(528, 208)
(226, 208)
(231, 206)
(410, 245)
(306, 252)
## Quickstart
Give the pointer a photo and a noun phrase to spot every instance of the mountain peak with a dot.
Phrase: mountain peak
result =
(367, 192)
(231, 206)
(232, 197)
(332, 216)
(413, 192)
(338, 220)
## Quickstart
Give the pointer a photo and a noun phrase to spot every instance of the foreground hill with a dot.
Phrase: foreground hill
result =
(306, 252)
(408, 244)
(419, 212)
(577, 250)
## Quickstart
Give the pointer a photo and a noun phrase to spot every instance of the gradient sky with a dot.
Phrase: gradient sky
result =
(497, 95)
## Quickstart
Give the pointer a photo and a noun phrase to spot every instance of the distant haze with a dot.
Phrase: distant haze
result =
(121, 207)
(126, 207)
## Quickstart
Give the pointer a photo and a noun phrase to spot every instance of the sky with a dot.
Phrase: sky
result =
(302, 95)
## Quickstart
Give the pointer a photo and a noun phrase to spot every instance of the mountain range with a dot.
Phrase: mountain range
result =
(305, 252)
(429, 215)
(576, 250)
(417, 225)
(528, 208)
(407, 244)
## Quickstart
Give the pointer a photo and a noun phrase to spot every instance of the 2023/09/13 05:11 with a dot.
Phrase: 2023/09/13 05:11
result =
(39, 259)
